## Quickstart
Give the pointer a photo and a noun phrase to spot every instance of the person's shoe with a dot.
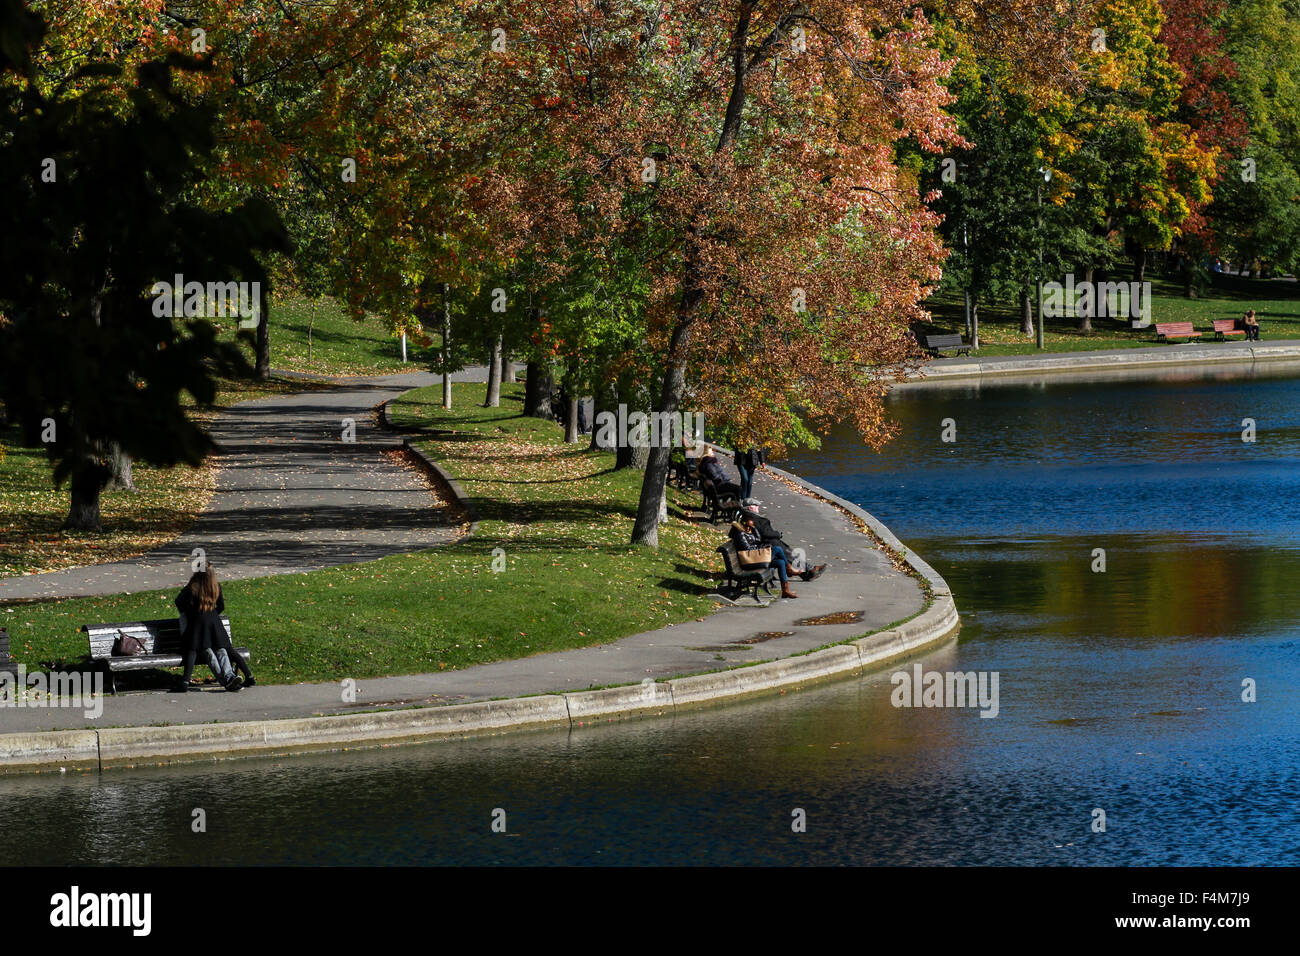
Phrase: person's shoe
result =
(182, 687)
(812, 574)
(786, 592)
(235, 684)
(248, 681)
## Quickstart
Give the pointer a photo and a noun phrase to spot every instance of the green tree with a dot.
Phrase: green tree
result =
(97, 214)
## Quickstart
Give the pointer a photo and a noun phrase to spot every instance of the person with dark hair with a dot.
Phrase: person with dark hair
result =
(200, 604)
(748, 462)
(772, 537)
(750, 545)
(1251, 325)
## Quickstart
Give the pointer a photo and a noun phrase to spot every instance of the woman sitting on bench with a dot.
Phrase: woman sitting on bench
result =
(200, 604)
(747, 539)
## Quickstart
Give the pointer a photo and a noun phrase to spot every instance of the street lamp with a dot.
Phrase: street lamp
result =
(965, 251)
(1047, 178)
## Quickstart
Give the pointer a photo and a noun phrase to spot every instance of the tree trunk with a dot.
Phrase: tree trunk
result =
(119, 469)
(88, 480)
(974, 322)
(263, 367)
(645, 529)
(508, 368)
(446, 346)
(494, 376)
(571, 420)
(597, 406)
(1026, 312)
(1084, 322)
(1139, 264)
(537, 390)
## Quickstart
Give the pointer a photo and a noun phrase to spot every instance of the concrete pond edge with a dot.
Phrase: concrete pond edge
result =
(124, 747)
(1133, 361)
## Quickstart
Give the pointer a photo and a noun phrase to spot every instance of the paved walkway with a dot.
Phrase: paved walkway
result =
(291, 496)
(860, 586)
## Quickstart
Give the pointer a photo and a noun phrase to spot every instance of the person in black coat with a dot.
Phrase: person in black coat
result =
(710, 468)
(201, 604)
(770, 536)
(748, 462)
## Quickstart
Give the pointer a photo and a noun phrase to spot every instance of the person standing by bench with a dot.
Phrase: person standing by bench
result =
(748, 462)
(200, 604)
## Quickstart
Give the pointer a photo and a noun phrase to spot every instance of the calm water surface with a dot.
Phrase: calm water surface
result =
(1119, 690)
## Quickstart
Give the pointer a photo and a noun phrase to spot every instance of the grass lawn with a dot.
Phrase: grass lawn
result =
(338, 344)
(559, 515)
(1276, 301)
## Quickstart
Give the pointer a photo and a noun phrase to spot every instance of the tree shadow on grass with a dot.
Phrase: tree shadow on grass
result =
(570, 510)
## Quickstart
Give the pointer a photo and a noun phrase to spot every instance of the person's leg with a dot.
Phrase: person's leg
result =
(188, 661)
(746, 481)
(220, 664)
(238, 660)
(782, 571)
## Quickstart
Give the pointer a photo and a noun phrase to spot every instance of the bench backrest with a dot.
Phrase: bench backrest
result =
(1225, 325)
(729, 558)
(1173, 327)
(942, 341)
(159, 637)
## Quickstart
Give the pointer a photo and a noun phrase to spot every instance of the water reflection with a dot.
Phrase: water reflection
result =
(1119, 690)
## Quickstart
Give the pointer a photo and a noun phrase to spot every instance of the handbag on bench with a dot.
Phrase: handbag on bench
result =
(756, 556)
(128, 646)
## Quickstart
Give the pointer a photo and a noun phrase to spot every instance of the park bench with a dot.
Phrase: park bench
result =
(162, 645)
(1226, 327)
(681, 471)
(1175, 330)
(736, 579)
(934, 344)
(717, 506)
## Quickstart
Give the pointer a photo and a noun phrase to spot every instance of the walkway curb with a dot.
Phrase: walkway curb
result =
(139, 746)
(1155, 358)
(435, 469)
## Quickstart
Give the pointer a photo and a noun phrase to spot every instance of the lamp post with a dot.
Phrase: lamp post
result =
(1047, 178)
(965, 251)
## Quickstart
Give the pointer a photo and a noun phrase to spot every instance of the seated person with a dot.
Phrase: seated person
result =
(746, 538)
(771, 536)
(712, 469)
(1251, 325)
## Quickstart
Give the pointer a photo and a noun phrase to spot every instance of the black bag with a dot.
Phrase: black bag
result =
(128, 646)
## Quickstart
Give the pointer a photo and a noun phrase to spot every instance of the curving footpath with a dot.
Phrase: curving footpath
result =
(861, 593)
(291, 496)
